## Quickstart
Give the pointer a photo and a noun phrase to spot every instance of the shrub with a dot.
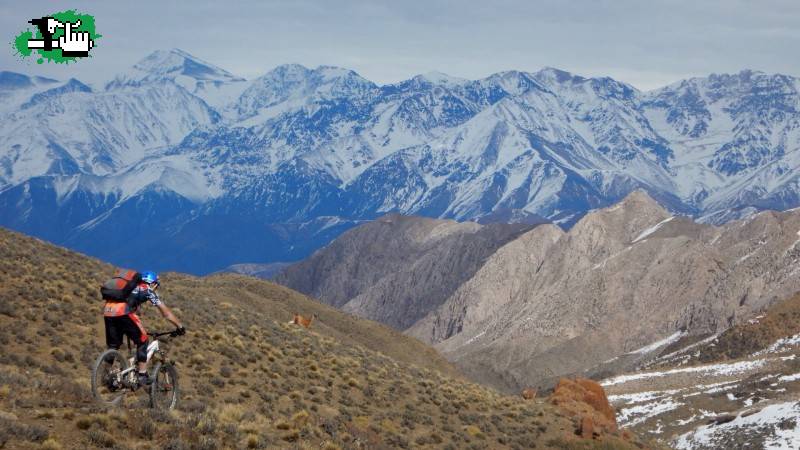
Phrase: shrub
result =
(101, 438)
(7, 308)
(147, 429)
(176, 444)
(207, 443)
(51, 444)
(12, 428)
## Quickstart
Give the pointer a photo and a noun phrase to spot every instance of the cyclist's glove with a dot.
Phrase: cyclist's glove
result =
(181, 331)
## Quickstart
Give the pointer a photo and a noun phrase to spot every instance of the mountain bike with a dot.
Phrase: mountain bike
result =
(114, 376)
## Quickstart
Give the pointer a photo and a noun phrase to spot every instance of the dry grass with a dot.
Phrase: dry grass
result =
(248, 379)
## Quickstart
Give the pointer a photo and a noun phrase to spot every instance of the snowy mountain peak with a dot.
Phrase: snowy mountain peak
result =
(14, 80)
(738, 83)
(176, 61)
(515, 82)
(439, 78)
(288, 75)
(558, 79)
(173, 65)
(292, 70)
(332, 72)
(551, 74)
(299, 85)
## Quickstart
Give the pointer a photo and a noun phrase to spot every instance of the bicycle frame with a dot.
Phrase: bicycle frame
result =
(152, 348)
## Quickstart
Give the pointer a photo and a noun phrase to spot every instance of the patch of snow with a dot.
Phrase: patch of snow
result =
(603, 262)
(629, 417)
(687, 348)
(652, 229)
(473, 338)
(787, 378)
(711, 369)
(721, 387)
(687, 420)
(658, 344)
(640, 397)
(747, 256)
(754, 320)
(780, 345)
(772, 418)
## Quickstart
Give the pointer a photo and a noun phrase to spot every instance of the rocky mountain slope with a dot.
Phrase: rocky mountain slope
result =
(264, 271)
(396, 270)
(551, 302)
(216, 170)
(248, 380)
(736, 389)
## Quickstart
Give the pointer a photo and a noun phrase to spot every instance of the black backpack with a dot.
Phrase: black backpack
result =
(119, 288)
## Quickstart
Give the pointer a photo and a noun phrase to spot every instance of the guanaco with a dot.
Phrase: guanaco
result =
(302, 321)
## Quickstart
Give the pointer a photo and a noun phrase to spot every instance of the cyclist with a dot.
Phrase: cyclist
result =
(121, 320)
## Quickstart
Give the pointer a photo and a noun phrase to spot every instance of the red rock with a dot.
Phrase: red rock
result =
(587, 428)
(586, 401)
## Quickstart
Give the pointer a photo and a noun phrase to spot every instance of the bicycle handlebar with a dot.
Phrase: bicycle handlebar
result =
(173, 333)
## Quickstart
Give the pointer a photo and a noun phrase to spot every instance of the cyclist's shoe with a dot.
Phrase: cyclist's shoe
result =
(111, 382)
(144, 379)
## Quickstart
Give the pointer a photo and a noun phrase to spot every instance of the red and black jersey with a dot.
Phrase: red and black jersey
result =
(140, 294)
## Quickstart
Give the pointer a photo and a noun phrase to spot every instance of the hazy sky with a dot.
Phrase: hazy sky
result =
(645, 43)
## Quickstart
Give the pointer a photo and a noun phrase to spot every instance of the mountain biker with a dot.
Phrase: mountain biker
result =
(121, 320)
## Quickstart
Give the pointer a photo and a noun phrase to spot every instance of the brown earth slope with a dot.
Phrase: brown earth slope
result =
(397, 269)
(248, 379)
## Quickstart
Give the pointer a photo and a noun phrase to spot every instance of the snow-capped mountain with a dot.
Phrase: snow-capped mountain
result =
(212, 170)
(214, 85)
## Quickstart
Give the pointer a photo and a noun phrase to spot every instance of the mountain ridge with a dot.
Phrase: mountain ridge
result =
(550, 302)
(298, 145)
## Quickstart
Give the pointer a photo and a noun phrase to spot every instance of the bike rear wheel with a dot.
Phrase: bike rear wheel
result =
(107, 383)
(164, 389)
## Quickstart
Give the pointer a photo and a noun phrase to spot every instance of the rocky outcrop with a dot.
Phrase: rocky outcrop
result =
(586, 401)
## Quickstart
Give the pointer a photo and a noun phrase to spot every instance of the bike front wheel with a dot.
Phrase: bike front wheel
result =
(164, 388)
(107, 377)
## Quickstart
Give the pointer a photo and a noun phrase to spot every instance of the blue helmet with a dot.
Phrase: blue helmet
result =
(150, 277)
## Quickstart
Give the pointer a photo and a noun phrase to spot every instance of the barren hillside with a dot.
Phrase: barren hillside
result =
(248, 379)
